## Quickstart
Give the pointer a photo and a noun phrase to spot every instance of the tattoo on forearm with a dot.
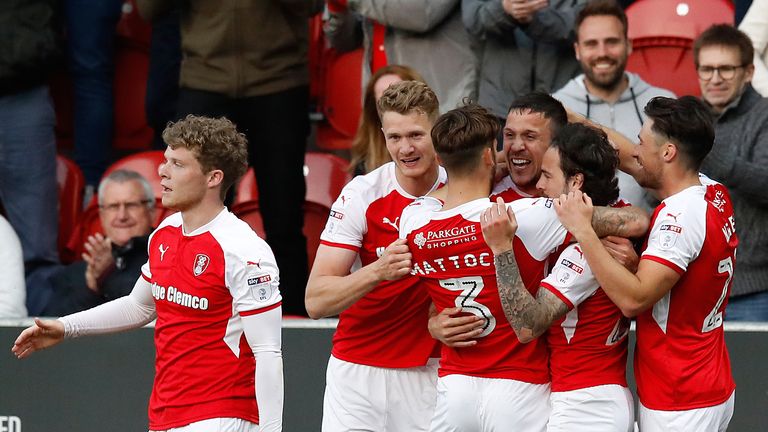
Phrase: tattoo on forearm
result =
(609, 221)
(526, 315)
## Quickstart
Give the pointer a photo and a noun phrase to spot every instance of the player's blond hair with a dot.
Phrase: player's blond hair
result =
(406, 97)
(216, 144)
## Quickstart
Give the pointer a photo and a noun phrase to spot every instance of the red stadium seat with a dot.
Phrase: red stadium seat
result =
(325, 174)
(131, 28)
(341, 99)
(89, 224)
(71, 184)
(662, 33)
(315, 217)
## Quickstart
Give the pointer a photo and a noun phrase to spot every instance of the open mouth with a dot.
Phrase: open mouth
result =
(410, 162)
(519, 163)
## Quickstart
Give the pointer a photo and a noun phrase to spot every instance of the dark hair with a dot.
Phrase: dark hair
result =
(460, 135)
(601, 8)
(728, 36)
(586, 150)
(544, 104)
(687, 122)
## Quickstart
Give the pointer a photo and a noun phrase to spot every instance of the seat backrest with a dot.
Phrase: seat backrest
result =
(71, 184)
(342, 95)
(326, 175)
(666, 62)
(145, 163)
(676, 18)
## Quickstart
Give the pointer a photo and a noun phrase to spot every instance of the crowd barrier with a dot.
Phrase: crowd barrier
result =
(102, 383)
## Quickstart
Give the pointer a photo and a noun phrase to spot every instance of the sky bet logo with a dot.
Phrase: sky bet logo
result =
(10, 424)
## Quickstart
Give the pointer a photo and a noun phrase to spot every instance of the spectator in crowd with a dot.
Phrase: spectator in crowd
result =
(426, 35)
(12, 289)
(369, 151)
(605, 92)
(739, 157)
(229, 70)
(28, 50)
(755, 25)
(163, 78)
(526, 46)
(91, 54)
(111, 262)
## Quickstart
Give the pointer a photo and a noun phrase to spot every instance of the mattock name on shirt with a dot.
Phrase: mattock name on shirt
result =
(454, 262)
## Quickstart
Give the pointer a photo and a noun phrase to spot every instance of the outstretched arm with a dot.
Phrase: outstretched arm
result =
(131, 311)
(331, 289)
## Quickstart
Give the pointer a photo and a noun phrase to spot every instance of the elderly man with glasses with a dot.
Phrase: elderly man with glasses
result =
(112, 261)
(739, 158)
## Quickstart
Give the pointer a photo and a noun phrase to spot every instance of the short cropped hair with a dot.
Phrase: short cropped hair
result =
(601, 8)
(586, 150)
(405, 97)
(687, 122)
(544, 104)
(728, 36)
(124, 176)
(216, 144)
(460, 135)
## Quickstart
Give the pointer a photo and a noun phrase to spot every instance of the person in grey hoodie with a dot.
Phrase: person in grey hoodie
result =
(606, 93)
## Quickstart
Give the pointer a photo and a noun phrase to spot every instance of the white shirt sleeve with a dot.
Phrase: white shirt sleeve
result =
(263, 333)
(676, 237)
(538, 226)
(346, 222)
(571, 279)
(132, 311)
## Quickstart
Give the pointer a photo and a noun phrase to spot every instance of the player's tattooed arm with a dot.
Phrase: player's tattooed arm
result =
(530, 317)
(621, 222)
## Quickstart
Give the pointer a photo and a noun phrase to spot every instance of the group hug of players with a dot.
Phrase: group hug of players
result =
(523, 283)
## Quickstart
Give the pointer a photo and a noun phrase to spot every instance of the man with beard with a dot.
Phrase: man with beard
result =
(605, 93)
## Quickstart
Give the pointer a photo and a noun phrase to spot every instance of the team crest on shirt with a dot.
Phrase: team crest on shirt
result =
(420, 240)
(668, 235)
(201, 263)
(567, 272)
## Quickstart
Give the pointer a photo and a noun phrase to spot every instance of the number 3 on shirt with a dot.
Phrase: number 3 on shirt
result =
(470, 288)
(715, 318)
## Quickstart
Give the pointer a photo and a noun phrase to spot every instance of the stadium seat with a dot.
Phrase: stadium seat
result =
(130, 87)
(662, 34)
(87, 225)
(147, 164)
(341, 99)
(315, 217)
(71, 183)
(325, 174)
(131, 28)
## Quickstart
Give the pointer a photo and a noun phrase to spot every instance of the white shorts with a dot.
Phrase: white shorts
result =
(473, 404)
(709, 419)
(606, 408)
(217, 425)
(368, 398)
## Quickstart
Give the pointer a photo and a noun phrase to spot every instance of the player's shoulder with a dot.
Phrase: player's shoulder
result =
(532, 204)
(418, 213)
(236, 237)
(369, 187)
(171, 223)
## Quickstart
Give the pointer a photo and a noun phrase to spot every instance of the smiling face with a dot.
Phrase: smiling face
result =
(409, 143)
(602, 50)
(182, 178)
(527, 136)
(124, 211)
(716, 91)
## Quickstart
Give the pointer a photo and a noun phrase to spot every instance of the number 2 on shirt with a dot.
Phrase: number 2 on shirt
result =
(470, 288)
(715, 318)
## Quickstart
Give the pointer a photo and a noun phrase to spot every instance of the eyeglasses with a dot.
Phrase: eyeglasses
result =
(130, 206)
(726, 72)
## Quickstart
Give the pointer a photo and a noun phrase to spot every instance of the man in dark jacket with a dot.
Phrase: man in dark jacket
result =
(739, 158)
(111, 262)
